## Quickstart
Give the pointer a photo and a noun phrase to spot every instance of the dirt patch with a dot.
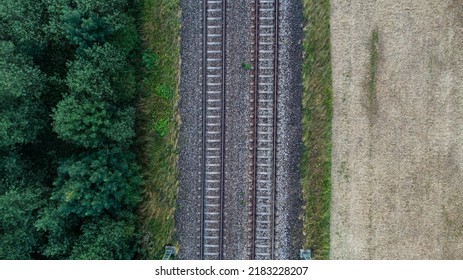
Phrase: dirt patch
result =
(397, 181)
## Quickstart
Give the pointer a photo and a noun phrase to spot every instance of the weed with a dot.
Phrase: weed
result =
(246, 66)
(161, 127)
(165, 92)
(149, 60)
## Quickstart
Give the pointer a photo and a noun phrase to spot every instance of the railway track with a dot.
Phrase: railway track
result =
(213, 129)
(264, 129)
(264, 122)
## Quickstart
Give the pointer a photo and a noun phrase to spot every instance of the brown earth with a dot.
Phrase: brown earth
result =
(397, 178)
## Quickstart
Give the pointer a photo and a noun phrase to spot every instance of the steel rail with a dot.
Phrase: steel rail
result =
(204, 131)
(275, 123)
(254, 154)
(274, 135)
(224, 68)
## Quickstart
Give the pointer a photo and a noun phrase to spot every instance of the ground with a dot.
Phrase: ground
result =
(397, 181)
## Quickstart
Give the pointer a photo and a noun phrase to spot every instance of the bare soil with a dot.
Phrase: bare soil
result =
(397, 180)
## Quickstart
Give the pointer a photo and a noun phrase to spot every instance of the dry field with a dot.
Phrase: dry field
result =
(397, 178)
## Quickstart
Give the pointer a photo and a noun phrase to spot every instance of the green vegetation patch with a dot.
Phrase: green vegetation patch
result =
(246, 66)
(316, 125)
(158, 123)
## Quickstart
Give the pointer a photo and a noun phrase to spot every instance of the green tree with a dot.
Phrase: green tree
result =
(102, 237)
(103, 72)
(21, 196)
(102, 7)
(91, 123)
(106, 238)
(89, 213)
(86, 22)
(20, 22)
(105, 181)
(19, 238)
(61, 232)
(21, 85)
(85, 30)
(12, 172)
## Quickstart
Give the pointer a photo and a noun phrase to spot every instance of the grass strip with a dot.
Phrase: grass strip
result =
(158, 123)
(316, 125)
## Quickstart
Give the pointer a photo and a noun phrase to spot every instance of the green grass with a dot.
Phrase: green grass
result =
(158, 123)
(316, 125)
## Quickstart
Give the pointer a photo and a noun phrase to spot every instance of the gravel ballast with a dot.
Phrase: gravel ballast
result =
(187, 216)
(289, 131)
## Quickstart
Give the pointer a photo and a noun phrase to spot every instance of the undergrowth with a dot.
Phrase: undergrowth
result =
(158, 123)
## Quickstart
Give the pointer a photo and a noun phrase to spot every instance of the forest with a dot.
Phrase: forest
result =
(70, 179)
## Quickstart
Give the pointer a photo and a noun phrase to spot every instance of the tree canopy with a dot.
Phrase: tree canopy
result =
(91, 207)
(102, 71)
(21, 85)
(92, 184)
(18, 211)
(20, 23)
(91, 123)
(69, 179)
(106, 238)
